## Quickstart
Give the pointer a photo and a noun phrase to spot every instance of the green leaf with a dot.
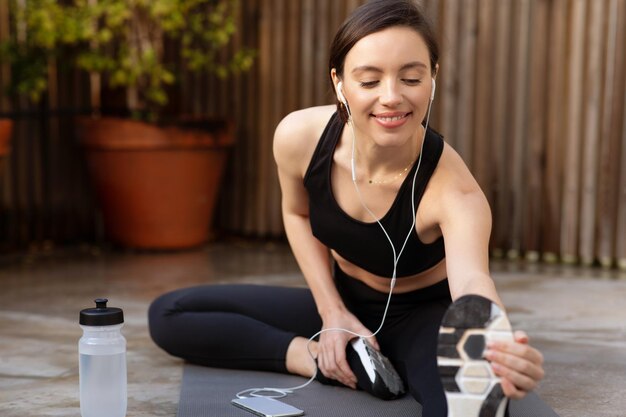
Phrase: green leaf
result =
(123, 41)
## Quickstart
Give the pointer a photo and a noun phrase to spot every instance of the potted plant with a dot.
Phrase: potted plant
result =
(157, 176)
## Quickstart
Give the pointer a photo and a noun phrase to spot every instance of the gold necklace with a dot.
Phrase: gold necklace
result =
(395, 177)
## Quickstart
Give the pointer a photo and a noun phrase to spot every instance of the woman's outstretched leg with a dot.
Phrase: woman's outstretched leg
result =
(234, 326)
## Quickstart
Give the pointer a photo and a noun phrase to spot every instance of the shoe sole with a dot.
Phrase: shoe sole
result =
(471, 387)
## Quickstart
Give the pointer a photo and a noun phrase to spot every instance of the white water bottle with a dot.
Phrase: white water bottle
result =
(102, 362)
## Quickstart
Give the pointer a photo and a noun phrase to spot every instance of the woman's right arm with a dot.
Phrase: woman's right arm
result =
(294, 143)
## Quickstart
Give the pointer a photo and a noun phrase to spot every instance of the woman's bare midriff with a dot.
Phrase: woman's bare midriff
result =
(404, 284)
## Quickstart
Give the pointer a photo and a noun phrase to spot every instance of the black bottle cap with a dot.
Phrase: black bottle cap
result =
(101, 315)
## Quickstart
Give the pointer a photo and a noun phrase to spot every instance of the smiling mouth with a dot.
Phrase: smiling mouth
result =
(394, 118)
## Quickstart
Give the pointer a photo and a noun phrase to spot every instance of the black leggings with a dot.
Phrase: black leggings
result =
(251, 327)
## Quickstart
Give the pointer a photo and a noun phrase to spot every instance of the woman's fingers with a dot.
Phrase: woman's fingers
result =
(521, 337)
(345, 374)
(512, 365)
(333, 364)
(516, 350)
(332, 355)
(510, 390)
(518, 364)
(519, 380)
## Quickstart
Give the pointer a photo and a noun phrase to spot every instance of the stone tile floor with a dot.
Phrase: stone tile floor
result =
(576, 316)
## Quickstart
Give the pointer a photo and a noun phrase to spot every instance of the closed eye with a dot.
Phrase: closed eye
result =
(368, 84)
(411, 81)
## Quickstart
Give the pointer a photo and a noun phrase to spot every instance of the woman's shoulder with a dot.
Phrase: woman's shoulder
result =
(452, 171)
(305, 122)
(297, 134)
(454, 183)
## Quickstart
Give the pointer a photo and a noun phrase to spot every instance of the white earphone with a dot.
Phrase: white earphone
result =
(340, 95)
(342, 98)
(432, 90)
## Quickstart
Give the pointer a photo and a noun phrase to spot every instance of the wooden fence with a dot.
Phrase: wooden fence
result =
(532, 93)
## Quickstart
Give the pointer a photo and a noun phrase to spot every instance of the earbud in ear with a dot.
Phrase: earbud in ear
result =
(432, 91)
(340, 95)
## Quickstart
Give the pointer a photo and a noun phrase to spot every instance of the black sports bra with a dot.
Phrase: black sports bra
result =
(365, 244)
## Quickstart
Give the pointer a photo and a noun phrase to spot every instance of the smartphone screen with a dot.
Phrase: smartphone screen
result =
(267, 407)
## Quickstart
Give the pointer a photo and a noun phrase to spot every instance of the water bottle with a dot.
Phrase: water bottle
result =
(102, 362)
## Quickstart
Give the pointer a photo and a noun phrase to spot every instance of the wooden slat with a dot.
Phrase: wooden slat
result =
(307, 43)
(610, 145)
(252, 101)
(335, 17)
(620, 121)
(483, 97)
(53, 168)
(447, 94)
(322, 42)
(518, 134)
(434, 10)
(467, 71)
(22, 169)
(551, 201)
(574, 103)
(279, 43)
(535, 141)
(292, 69)
(266, 65)
(591, 140)
(499, 123)
(621, 217)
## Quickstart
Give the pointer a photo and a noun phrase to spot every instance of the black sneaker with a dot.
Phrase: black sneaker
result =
(374, 372)
(471, 387)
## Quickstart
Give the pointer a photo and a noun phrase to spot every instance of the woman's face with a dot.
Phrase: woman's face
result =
(387, 83)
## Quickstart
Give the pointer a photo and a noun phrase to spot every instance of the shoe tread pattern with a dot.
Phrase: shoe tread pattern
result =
(491, 404)
(468, 319)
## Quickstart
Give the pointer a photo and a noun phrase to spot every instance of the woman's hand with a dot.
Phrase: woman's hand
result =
(331, 356)
(518, 364)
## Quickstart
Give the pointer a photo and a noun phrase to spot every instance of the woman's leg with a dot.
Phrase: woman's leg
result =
(409, 335)
(411, 344)
(233, 326)
(420, 364)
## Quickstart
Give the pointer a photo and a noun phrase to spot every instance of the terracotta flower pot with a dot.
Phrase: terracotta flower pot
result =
(6, 128)
(157, 186)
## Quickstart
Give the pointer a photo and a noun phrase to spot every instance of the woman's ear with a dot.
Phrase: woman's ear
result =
(338, 84)
(335, 78)
(342, 106)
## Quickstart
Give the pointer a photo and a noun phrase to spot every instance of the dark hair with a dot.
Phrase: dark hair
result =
(372, 17)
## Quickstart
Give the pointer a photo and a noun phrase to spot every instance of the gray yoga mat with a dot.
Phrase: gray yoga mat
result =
(206, 392)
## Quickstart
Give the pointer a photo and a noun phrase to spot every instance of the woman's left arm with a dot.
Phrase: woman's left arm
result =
(465, 222)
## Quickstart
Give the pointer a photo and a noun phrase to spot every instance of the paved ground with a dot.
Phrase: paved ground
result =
(576, 316)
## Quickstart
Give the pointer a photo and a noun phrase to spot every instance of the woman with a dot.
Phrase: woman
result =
(368, 194)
